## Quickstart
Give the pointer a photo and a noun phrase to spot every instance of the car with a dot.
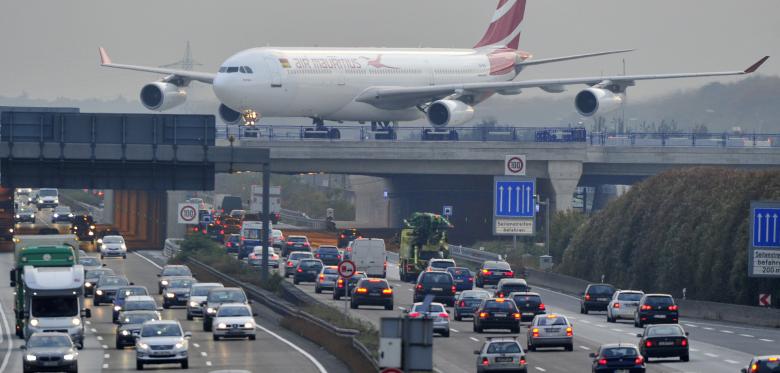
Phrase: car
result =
(113, 246)
(656, 308)
(277, 238)
(506, 286)
(171, 270)
(90, 262)
(440, 264)
(255, 258)
(347, 235)
(138, 303)
(664, 341)
(122, 294)
(440, 284)
(292, 261)
(434, 311)
(369, 255)
(496, 313)
(217, 297)
(464, 278)
(327, 279)
(551, 330)
(501, 354)
(162, 342)
(91, 278)
(467, 302)
(234, 320)
(198, 293)
(307, 271)
(25, 215)
(763, 364)
(106, 287)
(47, 197)
(129, 327)
(295, 243)
(177, 293)
(344, 286)
(232, 243)
(596, 297)
(617, 357)
(493, 271)
(330, 255)
(62, 214)
(528, 304)
(372, 292)
(49, 351)
(623, 305)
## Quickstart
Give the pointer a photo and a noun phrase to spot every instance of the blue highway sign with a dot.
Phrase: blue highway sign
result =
(766, 222)
(515, 198)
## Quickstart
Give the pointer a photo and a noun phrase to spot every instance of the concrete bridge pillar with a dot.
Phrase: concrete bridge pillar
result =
(370, 202)
(564, 177)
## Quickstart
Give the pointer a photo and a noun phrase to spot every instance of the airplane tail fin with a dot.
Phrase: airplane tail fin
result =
(504, 28)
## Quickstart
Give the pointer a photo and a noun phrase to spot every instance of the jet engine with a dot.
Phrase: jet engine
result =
(445, 112)
(162, 96)
(228, 115)
(597, 100)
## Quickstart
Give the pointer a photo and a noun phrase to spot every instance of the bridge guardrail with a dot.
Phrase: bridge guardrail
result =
(172, 247)
(472, 254)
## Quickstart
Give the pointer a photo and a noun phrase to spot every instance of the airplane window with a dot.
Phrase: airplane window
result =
(241, 69)
(248, 70)
(232, 69)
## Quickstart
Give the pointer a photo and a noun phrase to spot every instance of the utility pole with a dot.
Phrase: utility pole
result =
(547, 224)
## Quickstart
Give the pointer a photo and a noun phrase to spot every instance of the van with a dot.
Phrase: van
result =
(251, 236)
(369, 256)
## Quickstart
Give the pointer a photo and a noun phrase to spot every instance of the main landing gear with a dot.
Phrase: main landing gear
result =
(439, 135)
(320, 131)
(384, 130)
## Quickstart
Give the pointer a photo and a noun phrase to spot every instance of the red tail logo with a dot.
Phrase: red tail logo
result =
(504, 28)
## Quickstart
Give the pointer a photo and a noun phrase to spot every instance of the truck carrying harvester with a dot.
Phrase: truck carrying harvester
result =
(423, 237)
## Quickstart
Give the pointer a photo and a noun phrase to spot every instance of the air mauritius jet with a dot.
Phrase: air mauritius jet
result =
(383, 86)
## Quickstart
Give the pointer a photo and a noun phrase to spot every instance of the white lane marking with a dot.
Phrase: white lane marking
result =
(106, 356)
(89, 322)
(93, 330)
(709, 329)
(601, 325)
(410, 289)
(584, 348)
(294, 346)
(746, 336)
(617, 330)
(99, 338)
(731, 361)
(586, 321)
(694, 350)
(710, 354)
(727, 331)
(105, 366)
(474, 339)
(766, 340)
(631, 334)
(10, 340)
(105, 347)
(691, 326)
(540, 369)
(196, 345)
(208, 363)
(455, 331)
(203, 353)
(147, 259)
(556, 292)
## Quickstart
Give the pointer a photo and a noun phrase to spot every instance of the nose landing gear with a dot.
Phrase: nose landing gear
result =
(250, 117)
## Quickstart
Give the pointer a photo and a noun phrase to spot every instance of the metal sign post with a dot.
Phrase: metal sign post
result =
(764, 248)
(347, 269)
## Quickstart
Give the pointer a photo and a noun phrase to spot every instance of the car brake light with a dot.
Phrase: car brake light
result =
(522, 361)
(535, 332)
(317, 255)
(414, 315)
(387, 291)
(485, 361)
(300, 270)
(542, 307)
(684, 342)
(454, 289)
(516, 315)
(471, 279)
(646, 308)
(648, 344)
(288, 242)
(462, 304)
(385, 264)
(444, 315)
(341, 283)
(306, 244)
(616, 305)
(602, 361)
(509, 274)
(204, 231)
(754, 368)
(639, 360)
(289, 264)
(322, 277)
(673, 307)
(587, 296)
(229, 244)
(483, 315)
(486, 272)
(419, 286)
(222, 231)
(569, 331)
(361, 290)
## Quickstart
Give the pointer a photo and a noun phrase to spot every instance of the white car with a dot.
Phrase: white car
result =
(277, 238)
(255, 258)
(198, 294)
(435, 311)
(623, 305)
(162, 342)
(234, 320)
(113, 246)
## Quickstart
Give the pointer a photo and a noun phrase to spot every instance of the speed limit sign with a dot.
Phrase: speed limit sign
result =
(188, 213)
(347, 268)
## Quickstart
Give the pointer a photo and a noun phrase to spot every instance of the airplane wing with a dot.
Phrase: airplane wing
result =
(569, 58)
(186, 75)
(404, 97)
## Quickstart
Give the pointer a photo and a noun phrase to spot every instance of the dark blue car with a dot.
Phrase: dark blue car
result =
(232, 243)
(329, 255)
(464, 279)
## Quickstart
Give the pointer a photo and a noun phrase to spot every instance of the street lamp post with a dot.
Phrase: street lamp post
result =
(546, 205)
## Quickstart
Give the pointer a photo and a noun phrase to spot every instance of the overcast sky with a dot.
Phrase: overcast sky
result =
(49, 48)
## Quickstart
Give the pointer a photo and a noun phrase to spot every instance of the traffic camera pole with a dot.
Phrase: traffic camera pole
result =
(266, 219)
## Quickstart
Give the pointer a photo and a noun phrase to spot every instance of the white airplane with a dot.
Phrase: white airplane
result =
(383, 85)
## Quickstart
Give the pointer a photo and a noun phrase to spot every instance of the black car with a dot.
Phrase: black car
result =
(122, 294)
(348, 235)
(529, 305)
(464, 279)
(25, 215)
(62, 214)
(217, 297)
(763, 364)
(129, 326)
(655, 309)
(330, 255)
(307, 271)
(295, 243)
(171, 270)
(372, 292)
(596, 297)
(492, 272)
(106, 287)
(497, 313)
(439, 284)
(344, 286)
(468, 301)
(177, 293)
(92, 276)
(664, 341)
(507, 286)
(617, 357)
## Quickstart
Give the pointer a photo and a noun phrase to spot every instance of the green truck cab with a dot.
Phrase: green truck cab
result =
(424, 237)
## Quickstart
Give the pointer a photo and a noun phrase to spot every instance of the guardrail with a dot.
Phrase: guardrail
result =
(471, 254)
(299, 220)
(172, 247)
(662, 139)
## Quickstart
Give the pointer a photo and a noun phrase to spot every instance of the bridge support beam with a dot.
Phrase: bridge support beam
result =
(564, 178)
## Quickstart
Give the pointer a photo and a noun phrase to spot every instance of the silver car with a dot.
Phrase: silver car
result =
(113, 246)
(326, 279)
(437, 312)
(50, 351)
(198, 294)
(501, 354)
(234, 320)
(293, 259)
(550, 331)
(162, 342)
(623, 305)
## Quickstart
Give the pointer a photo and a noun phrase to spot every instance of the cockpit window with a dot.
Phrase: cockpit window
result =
(222, 69)
(241, 69)
(232, 69)
(248, 70)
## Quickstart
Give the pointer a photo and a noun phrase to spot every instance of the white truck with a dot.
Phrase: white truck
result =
(275, 198)
(369, 256)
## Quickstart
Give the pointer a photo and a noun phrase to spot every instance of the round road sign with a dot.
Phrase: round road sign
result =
(391, 370)
(515, 165)
(188, 213)
(347, 268)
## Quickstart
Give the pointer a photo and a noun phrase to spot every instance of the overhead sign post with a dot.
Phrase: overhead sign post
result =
(515, 165)
(187, 213)
(764, 248)
(514, 206)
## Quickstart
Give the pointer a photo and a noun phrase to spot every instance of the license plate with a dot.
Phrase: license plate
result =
(666, 343)
(507, 359)
(528, 314)
(499, 314)
(313, 272)
(161, 353)
(621, 371)
(602, 299)
(551, 330)
(437, 289)
(458, 281)
(50, 363)
(659, 316)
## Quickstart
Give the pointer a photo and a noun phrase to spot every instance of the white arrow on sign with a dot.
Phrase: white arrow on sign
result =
(501, 199)
(759, 226)
(517, 198)
(529, 199)
(509, 195)
(774, 231)
(766, 234)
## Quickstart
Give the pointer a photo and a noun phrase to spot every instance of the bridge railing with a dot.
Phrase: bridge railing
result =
(473, 255)
(658, 139)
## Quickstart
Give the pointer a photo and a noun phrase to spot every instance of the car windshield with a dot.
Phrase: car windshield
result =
(139, 318)
(60, 306)
(497, 265)
(630, 297)
(527, 299)
(601, 290)
(297, 239)
(550, 321)
(112, 281)
(126, 292)
(772, 365)
(89, 261)
(434, 308)
(61, 210)
(494, 305)
(25, 210)
(443, 264)
(299, 255)
(477, 294)
(328, 250)
(310, 264)
(48, 341)
(161, 330)
(95, 273)
(227, 296)
(181, 283)
(276, 233)
(201, 290)
(47, 192)
(666, 330)
(233, 312)
(330, 271)
(437, 278)
(140, 305)
(113, 239)
(504, 348)
(659, 301)
(252, 233)
(457, 271)
(614, 352)
(512, 287)
(176, 271)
